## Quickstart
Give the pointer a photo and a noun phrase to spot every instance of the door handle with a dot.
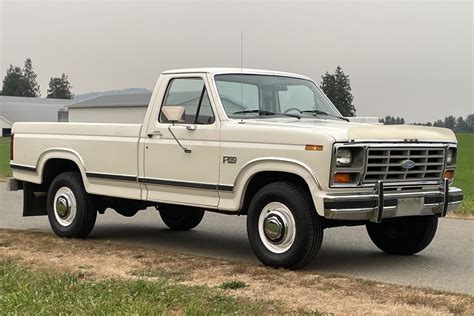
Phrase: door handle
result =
(191, 127)
(154, 133)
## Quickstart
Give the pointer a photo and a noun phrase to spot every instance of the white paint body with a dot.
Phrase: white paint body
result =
(269, 144)
(122, 115)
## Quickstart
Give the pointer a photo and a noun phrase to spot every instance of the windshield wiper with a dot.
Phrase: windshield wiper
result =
(265, 112)
(325, 113)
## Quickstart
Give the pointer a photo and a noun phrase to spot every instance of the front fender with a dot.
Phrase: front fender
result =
(233, 201)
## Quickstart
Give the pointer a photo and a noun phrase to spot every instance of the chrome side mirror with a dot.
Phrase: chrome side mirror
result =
(174, 114)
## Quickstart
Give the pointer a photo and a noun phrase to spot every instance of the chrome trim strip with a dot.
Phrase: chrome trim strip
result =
(22, 167)
(110, 176)
(187, 184)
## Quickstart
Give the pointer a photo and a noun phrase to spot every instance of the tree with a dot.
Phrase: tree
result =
(60, 88)
(32, 89)
(391, 120)
(470, 123)
(338, 89)
(12, 82)
(438, 123)
(21, 82)
(461, 125)
(450, 122)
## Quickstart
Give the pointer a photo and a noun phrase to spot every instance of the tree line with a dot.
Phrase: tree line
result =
(21, 82)
(458, 125)
(337, 87)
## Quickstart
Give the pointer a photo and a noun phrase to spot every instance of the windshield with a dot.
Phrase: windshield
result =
(247, 96)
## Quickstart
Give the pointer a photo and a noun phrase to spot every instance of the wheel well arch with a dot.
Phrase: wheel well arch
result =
(262, 178)
(55, 166)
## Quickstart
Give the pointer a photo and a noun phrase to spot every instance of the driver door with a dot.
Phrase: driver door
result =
(170, 173)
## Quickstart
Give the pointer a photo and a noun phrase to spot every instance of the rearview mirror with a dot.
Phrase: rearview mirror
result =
(173, 114)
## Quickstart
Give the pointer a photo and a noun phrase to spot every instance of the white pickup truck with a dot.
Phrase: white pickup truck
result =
(265, 144)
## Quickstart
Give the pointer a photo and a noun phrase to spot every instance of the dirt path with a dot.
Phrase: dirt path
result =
(294, 291)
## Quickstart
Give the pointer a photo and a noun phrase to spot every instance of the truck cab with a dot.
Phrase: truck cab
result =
(264, 144)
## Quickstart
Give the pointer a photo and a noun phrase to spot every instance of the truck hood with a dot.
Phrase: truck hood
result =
(347, 131)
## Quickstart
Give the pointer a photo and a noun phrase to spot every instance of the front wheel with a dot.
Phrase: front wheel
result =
(403, 236)
(283, 227)
(178, 217)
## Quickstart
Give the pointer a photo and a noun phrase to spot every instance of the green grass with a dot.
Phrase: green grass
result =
(464, 176)
(25, 292)
(5, 157)
(233, 285)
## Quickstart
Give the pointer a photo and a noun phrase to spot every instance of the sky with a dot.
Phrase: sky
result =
(405, 58)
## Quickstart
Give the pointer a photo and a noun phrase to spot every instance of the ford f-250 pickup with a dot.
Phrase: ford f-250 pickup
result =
(264, 144)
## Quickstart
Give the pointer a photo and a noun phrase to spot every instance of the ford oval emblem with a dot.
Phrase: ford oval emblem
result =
(407, 164)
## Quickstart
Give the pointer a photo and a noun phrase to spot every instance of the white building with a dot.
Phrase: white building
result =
(123, 108)
(23, 109)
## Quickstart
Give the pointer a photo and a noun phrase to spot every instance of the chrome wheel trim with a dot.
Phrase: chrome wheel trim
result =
(276, 227)
(65, 206)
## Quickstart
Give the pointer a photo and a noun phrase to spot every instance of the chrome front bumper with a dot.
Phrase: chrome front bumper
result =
(388, 204)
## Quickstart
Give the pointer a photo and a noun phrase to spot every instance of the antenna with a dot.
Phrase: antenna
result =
(241, 51)
(241, 67)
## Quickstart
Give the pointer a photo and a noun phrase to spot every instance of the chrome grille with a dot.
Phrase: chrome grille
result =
(386, 164)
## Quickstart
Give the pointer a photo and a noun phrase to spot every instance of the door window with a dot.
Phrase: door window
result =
(191, 94)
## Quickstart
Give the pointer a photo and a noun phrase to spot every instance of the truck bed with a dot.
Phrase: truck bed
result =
(99, 148)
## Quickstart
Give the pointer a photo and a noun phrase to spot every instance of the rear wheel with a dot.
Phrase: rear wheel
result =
(403, 236)
(283, 227)
(71, 210)
(178, 217)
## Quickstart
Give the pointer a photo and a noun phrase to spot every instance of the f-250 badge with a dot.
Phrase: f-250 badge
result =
(229, 159)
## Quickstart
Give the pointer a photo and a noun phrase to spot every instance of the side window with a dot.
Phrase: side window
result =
(191, 94)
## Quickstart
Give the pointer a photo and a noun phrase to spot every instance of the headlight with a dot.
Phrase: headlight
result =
(450, 157)
(343, 157)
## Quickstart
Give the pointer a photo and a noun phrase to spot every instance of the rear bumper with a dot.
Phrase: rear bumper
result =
(388, 204)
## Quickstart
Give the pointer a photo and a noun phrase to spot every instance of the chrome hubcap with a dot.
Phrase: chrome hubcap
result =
(64, 206)
(274, 228)
(277, 227)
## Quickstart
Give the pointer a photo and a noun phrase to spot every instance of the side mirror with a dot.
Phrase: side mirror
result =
(173, 114)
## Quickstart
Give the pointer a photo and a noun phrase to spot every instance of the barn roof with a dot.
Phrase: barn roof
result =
(24, 109)
(115, 100)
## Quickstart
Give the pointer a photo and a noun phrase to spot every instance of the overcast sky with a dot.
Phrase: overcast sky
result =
(410, 59)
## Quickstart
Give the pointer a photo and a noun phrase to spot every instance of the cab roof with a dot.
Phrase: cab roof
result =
(215, 71)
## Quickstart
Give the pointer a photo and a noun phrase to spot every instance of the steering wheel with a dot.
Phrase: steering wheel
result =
(292, 109)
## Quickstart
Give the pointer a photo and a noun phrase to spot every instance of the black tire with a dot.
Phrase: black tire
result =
(308, 233)
(403, 236)
(178, 217)
(86, 212)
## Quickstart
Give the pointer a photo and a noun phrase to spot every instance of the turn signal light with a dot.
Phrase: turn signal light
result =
(343, 178)
(313, 147)
(448, 174)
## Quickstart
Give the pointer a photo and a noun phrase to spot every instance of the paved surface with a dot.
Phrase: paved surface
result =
(447, 264)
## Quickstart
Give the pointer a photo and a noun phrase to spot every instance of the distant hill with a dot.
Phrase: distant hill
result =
(110, 92)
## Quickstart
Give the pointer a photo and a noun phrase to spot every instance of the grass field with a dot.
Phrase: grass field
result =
(42, 293)
(464, 177)
(4, 157)
(44, 275)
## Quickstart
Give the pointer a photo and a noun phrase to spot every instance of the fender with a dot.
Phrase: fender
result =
(61, 153)
(233, 201)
